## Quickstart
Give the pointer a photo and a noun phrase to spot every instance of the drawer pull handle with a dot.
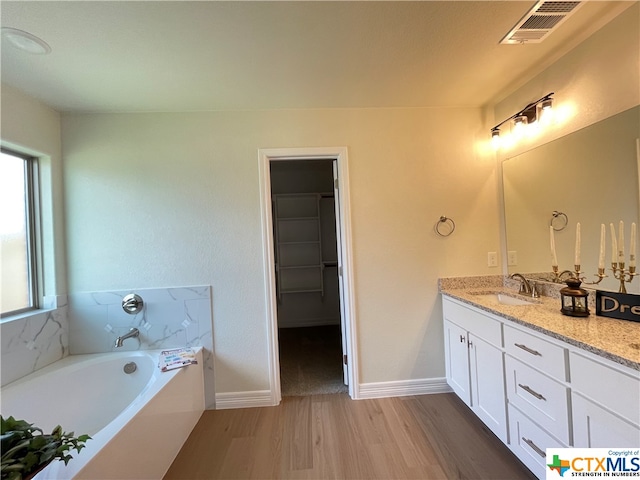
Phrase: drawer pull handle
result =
(462, 339)
(528, 389)
(527, 349)
(534, 447)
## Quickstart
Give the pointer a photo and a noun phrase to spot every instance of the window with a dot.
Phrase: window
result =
(18, 280)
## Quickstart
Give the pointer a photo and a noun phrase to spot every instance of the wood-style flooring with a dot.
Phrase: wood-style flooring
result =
(334, 437)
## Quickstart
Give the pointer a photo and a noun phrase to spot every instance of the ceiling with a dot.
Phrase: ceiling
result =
(126, 56)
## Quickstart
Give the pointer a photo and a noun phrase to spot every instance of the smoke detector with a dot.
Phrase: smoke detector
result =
(540, 21)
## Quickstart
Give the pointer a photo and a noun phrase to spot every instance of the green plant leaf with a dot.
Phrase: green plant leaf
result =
(26, 448)
(31, 459)
(11, 452)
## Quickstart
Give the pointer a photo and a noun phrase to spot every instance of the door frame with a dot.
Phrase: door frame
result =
(338, 154)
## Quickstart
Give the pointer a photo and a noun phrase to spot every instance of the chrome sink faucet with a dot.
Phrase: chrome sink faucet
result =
(134, 332)
(525, 286)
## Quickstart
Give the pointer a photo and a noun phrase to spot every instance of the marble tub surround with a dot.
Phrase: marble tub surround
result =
(34, 340)
(616, 340)
(171, 317)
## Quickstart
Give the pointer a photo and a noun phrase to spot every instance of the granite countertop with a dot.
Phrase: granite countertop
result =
(616, 340)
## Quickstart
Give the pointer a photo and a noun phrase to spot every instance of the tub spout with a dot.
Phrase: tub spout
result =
(134, 332)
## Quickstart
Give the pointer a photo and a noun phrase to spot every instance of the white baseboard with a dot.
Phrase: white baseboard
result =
(402, 388)
(257, 398)
(399, 388)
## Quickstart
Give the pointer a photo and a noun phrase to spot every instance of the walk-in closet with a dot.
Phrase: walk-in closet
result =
(307, 289)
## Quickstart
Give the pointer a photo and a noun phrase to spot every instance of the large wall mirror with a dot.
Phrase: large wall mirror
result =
(591, 176)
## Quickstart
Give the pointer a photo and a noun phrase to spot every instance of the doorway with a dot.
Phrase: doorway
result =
(307, 252)
(306, 270)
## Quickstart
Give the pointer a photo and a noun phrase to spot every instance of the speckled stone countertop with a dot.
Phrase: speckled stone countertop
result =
(616, 340)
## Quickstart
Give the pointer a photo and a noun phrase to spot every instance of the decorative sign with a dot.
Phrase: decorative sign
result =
(623, 306)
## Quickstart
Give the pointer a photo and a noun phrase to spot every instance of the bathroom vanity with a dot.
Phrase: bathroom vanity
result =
(539, 379)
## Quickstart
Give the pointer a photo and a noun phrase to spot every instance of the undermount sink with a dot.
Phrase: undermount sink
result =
(504, 299)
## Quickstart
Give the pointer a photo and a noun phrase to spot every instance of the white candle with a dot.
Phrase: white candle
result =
(602, 243)
(577, 257)
(632, 246)
(621, 243)
(614, 245)
(554, 258)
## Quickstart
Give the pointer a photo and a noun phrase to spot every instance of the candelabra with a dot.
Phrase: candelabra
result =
(557, 277)
(576, 274)
(625, 276)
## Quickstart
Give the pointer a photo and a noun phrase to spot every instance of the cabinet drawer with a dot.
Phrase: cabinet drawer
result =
(542, 399)
(536, 352)
(529, 442)
(618, 391)
(473, 321)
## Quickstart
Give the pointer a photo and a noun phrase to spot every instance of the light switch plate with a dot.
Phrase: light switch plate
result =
(492, 259)
(512, 258)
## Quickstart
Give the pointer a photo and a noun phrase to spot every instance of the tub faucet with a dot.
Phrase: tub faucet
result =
(525, 287)
(134, 332)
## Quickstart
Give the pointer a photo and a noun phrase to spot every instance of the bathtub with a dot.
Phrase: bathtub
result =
(138, 422)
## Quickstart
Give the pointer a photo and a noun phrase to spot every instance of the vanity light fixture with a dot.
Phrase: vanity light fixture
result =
(527, 115)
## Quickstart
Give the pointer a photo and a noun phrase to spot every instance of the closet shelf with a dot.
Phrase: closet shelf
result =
(298, 238)
(301, 242)
(300, 290)
(296, 219)
(291, 267)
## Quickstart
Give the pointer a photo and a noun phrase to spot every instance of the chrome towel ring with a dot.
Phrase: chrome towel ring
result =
(558, 220)
(445, 226)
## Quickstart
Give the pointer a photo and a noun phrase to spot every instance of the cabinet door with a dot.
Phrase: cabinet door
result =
(595, 427)
(487, 385)
(457, 360)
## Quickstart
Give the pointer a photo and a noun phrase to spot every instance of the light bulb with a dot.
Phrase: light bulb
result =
(519, 124)
(495, 139)
(546, 111)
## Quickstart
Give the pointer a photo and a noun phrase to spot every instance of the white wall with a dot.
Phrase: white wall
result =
(173, 199)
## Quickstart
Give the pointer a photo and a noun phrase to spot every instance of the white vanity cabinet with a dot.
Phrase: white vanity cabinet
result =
(535, 391)
(474, 363)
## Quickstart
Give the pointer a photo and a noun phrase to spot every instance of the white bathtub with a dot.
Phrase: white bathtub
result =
(138, 422)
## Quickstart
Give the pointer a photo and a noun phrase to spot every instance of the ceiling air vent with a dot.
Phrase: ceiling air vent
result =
(540, 21)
